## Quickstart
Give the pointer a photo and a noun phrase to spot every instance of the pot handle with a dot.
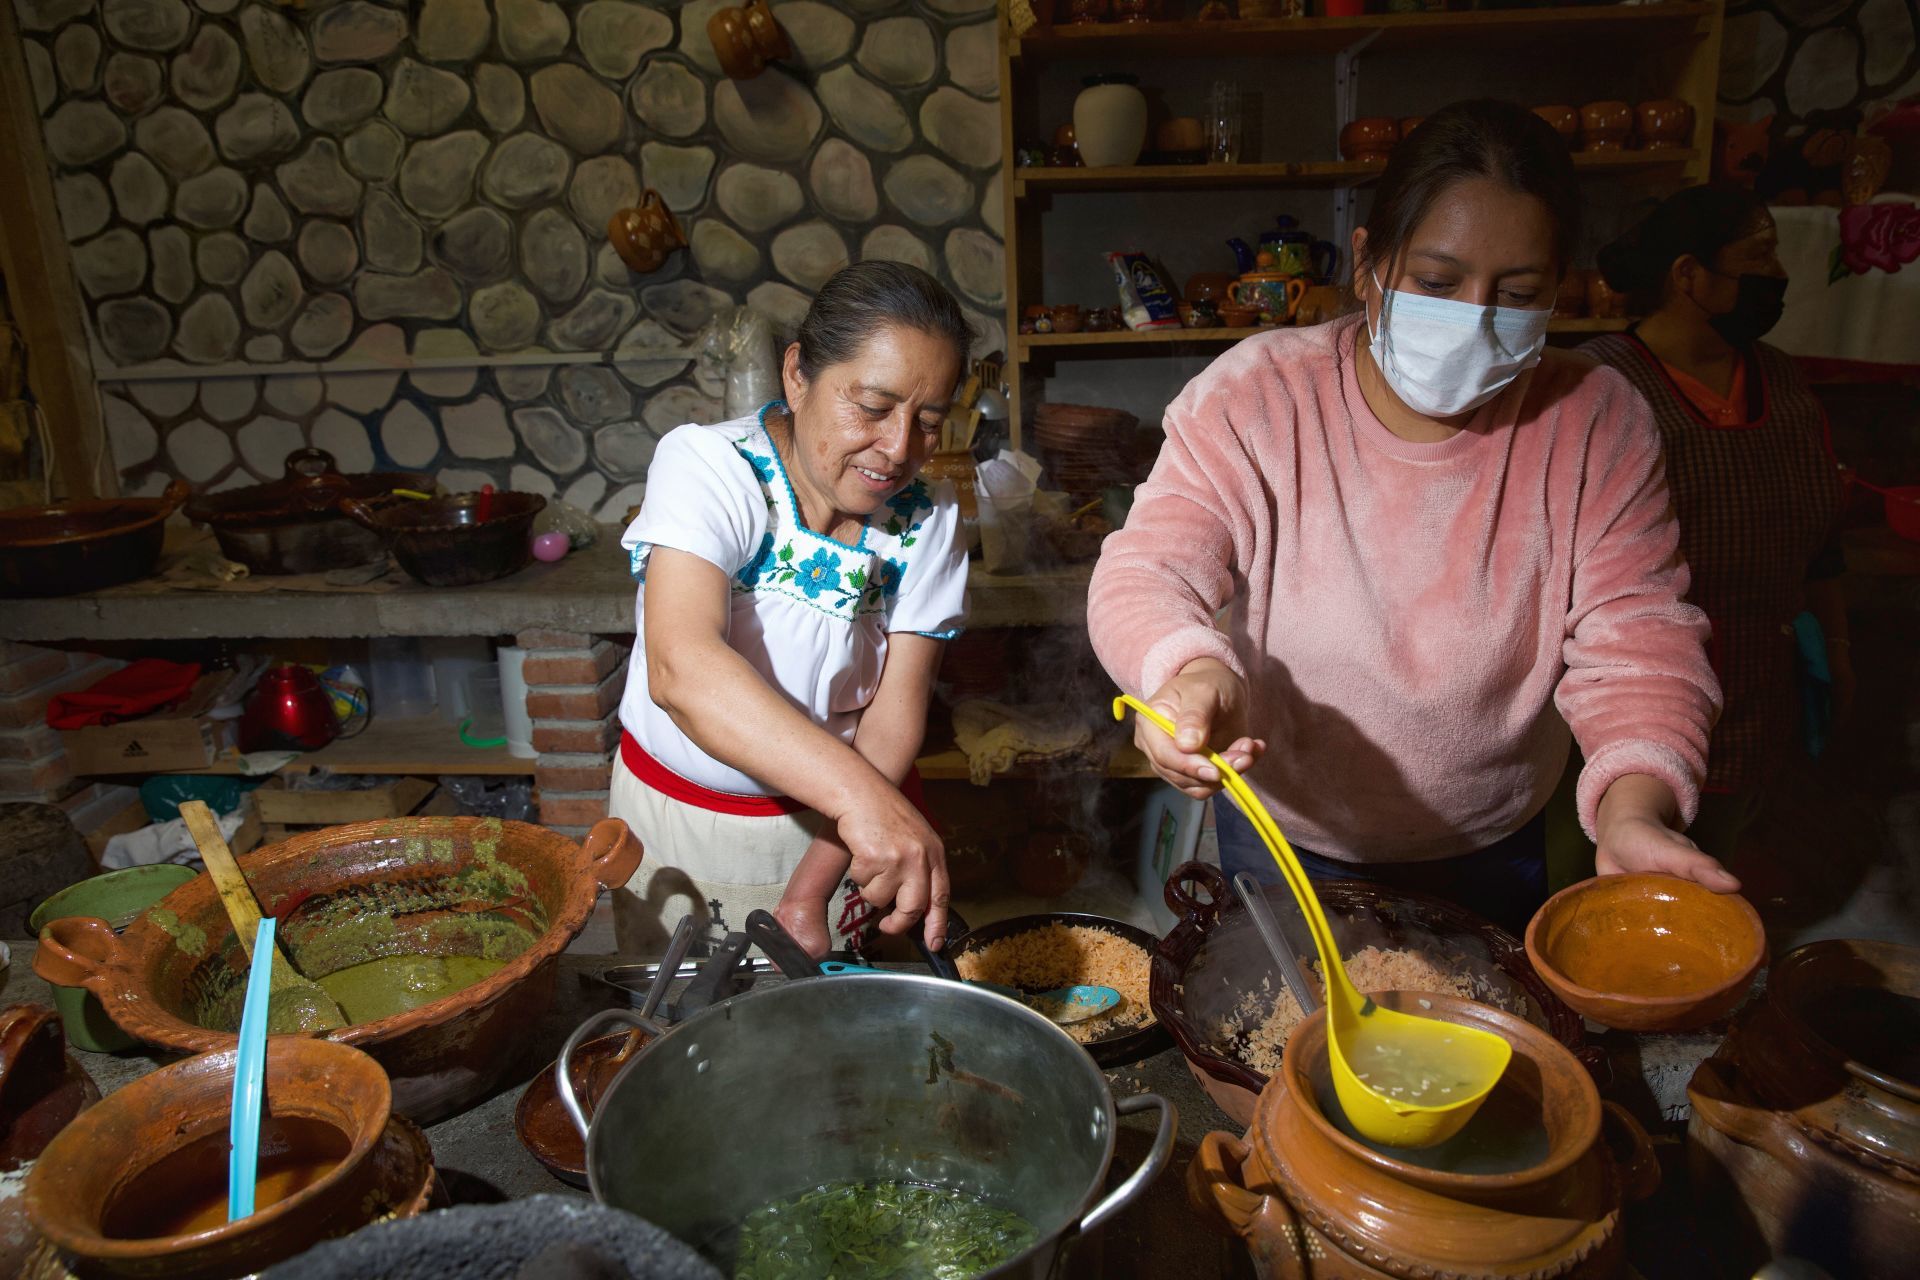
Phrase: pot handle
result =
(614, 852)
(1265, 1222)
(76, 952)
(1150, 1168)
(360, 513)
(1179, 891)
(563, 1065)
(1749, 1126)
(175, 497)
(1640, 1170)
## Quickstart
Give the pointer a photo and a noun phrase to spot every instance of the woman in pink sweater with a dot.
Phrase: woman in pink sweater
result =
(1426, 533)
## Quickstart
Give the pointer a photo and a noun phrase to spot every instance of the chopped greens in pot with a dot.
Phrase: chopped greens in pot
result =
(878, 1231)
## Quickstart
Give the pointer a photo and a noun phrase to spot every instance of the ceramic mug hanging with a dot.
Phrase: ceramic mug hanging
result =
(746, 39)
(645, 236)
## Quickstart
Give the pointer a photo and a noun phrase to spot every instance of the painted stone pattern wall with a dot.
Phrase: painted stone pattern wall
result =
(1802, 59)
(353, 180)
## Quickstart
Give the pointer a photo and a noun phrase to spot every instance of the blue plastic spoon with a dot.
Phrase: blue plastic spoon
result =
(249, 1078)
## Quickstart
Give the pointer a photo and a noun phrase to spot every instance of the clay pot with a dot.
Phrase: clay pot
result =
(1664, 122)
(160, 1142)
(41, 1087)
(746, 39)
(1182, 133)
(1098, 320)
(1604, 302)
(1234, 316)
(1570, 303)
(1369, 139)
(1605, 126)
(175, 977)
(1647, 952)
(955, 465)
(1066, 317)
(1110, 121)
(1812, 1107)
(1311, 1201)
(1408, 124)
(1565, 122)
(1197, 315)
(645, 236)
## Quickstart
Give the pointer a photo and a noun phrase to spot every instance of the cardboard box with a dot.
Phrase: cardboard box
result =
(185, 738)
(286, 806)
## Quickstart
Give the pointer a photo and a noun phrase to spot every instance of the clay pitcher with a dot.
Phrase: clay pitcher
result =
(645, 236)
(1310, 1200)
(746, 39)
(1805, 1135)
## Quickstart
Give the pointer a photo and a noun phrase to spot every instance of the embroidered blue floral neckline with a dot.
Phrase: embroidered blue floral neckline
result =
(847, 580)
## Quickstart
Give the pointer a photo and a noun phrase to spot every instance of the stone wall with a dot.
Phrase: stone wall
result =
(243, 182)
(1801, 59)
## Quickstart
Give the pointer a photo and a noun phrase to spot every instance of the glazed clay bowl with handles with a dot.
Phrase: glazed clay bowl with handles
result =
(1532, 1187)
(1565, 121)
(74, 547)
(158, 1146)
(456, 541)
(1814, 1100)
(1606, 126)
(294, 524)
(1647, 952)
(1276, 295)
(448, 886)
(1664, 122)
(879, 1076)
(645, 236)
(1208, 963)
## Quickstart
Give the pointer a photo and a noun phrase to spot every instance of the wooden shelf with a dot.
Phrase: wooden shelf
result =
(1265, 37)
(1027, 344)
(423, 745)
(950, 765)
(1302, 173)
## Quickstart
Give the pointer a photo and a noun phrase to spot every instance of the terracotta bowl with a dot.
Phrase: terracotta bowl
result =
(451, 886)
(1647, 952)
(98, 1182)
(1370, 139)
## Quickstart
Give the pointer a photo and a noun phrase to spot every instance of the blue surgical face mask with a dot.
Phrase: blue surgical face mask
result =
(1444, 358)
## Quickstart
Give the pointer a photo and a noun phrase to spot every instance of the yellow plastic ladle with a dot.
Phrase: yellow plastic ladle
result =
(1460, 1064)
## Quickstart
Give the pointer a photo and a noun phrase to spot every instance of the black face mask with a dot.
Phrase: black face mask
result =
(1756, 309)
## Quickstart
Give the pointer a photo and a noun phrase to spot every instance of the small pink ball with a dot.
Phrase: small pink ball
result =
(551, 546)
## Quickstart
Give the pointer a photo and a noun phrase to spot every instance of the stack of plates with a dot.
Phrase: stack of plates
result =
(1086, 448)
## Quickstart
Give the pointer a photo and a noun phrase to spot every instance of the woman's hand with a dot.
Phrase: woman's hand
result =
(1634, 826)
(1207, 703)
(898, 862)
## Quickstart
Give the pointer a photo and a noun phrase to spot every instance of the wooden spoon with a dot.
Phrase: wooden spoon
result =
(297, 1004)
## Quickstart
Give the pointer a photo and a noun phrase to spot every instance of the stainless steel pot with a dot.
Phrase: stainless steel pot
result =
(856, 1077)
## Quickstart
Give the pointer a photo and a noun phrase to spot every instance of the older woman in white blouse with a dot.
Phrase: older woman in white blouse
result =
(797, 582)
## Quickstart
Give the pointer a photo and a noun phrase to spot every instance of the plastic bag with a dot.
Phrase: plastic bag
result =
(1004, 486)
(1145, 302)
(564, 517)
(509, 799)
(162, 795)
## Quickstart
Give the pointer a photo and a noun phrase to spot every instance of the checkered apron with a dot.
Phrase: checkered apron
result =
(1757, 503)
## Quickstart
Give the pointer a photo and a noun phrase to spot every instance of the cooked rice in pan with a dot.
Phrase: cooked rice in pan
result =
(1060, 955)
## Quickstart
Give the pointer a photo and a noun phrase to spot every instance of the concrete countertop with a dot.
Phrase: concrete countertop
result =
(590, 591)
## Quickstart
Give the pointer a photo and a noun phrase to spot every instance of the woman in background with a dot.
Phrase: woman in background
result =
(1750, 467)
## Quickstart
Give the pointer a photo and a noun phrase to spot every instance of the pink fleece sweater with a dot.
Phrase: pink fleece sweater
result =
(1408, 615)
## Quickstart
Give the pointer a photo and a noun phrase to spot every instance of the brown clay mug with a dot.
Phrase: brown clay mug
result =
(1370, 139)
(1235, 316)
(1664, 122)
(1605, 126)
(645, 236)
(1066, 318)
(1604, 302)
(1565, 122)
(746, 39)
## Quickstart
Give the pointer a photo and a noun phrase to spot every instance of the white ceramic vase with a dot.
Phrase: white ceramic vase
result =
(1110, 124)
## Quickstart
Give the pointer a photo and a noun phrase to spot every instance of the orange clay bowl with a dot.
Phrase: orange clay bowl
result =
(1647, 952)
(347, 895)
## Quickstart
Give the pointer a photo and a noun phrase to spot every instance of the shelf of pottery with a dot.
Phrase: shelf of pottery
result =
(1179, 175)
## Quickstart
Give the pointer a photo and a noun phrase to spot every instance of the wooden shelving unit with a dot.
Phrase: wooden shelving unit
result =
(427, 746)
(1683, 34)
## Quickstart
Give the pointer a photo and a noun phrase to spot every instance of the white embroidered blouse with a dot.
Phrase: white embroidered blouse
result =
(811, 614)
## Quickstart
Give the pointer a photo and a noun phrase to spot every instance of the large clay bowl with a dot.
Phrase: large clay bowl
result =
(1647, 952)
(450, 886)
(108, 1172)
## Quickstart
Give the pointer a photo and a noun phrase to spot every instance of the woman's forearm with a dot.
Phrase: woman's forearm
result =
(730, 712)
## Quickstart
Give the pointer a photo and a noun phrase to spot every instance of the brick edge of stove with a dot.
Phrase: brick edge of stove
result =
(574, 683)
